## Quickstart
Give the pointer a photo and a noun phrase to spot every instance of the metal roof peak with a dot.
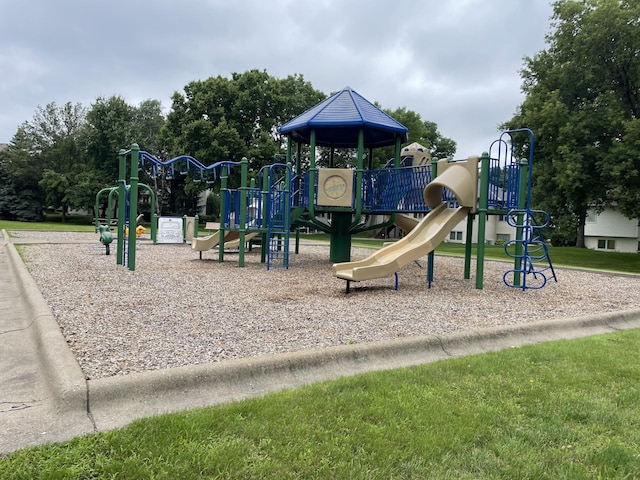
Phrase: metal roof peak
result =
(337, 121)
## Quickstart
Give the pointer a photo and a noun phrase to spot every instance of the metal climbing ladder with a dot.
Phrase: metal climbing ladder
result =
(532, 264)
(278, 214)
(530, 251)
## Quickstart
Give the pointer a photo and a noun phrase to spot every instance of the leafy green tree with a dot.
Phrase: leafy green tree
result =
(44, 156)
(148, 121)
(223, 118)
(582, 99)
(625, 170)
(20, 195)
(421, 131)
(110, 127)
(7, 193)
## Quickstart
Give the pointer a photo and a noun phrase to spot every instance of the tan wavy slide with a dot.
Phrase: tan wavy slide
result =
(420, 241)
(423, 238)
(231, 240)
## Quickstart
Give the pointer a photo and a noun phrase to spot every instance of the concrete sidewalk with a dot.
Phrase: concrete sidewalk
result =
(45, 396)
(43, 389)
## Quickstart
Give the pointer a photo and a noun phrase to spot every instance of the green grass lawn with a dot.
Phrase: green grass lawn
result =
(560, 256)
(51, 226)
(560, 410)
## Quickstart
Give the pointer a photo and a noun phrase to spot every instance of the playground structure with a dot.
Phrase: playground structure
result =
(350, 196)
(343, 201)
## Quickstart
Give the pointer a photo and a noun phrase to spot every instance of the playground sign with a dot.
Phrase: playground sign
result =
(170, 230)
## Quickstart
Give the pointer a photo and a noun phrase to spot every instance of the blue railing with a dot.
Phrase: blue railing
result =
(504, 184)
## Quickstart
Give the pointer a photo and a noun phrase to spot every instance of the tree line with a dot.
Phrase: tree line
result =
(63, 156)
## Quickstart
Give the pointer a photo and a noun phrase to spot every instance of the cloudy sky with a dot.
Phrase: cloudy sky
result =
(454, 62)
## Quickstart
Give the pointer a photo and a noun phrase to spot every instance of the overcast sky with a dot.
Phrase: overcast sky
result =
(454, 62)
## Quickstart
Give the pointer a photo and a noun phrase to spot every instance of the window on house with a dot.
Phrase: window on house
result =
(604, 244)
(505, 237)
(453, 235)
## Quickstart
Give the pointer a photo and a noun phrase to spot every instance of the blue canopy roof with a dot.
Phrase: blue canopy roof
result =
(338, 119)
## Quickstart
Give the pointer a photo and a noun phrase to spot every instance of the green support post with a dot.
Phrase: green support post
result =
(358, 186)
(122, 172)
(264, 236)
(296, 170)
(482, 218)
(184, 229)
(224, 176)
(154, 228)
(312, 176)
(340, 246)
(133, 206)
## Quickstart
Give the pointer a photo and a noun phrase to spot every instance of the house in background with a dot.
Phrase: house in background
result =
(608, 230)
(496, 230)
(611, 231)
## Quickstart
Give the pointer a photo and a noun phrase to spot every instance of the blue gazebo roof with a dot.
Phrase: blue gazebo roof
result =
(338, 119)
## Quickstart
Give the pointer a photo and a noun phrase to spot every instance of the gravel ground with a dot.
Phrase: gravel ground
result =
(177, 310)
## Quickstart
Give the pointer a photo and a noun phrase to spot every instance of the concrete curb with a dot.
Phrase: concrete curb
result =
(63, 376)
(115, 401)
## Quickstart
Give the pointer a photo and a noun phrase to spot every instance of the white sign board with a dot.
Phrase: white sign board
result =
(169, 230)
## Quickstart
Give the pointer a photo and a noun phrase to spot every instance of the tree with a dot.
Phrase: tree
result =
(582, 98)
(625, 172)
(148, 121)
(110, 127)
(44, 156)
(421, 131)
(8, 197)
(224, 118)
(246, 110)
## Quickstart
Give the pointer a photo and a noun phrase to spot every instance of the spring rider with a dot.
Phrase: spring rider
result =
(106, 237)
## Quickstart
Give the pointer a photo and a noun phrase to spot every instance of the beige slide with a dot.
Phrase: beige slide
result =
(406, 223)
(202, 244)
(234, 240)
(231, 240)
(461, 179)
(420, 241)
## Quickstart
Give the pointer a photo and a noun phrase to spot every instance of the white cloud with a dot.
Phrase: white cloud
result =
(455, 63)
